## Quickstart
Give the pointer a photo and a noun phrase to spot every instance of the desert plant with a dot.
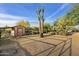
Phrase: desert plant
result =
(23, 23)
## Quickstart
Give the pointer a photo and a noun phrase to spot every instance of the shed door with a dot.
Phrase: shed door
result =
(20, 32)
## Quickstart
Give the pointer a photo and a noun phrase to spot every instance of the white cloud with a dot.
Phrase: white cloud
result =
(10, 20)
(11, 16)
(9, 23)
(61, 8)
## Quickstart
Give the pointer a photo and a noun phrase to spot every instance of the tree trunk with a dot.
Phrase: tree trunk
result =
(39, 27)
(39, 21)
(42, 27)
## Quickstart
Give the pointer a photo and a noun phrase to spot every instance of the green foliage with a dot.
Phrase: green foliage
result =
(35, 29)
(66, 22)
(73, 15)
(23, 23)
(47, 27)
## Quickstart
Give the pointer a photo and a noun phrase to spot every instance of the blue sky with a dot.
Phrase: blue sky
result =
(11, 13)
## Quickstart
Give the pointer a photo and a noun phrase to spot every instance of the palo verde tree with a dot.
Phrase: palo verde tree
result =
(68, 20)
(73, 15)
(23, 23)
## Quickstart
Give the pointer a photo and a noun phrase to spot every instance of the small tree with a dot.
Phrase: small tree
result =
(23, 23)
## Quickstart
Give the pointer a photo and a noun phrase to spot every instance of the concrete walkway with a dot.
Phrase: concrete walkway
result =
(75, 44)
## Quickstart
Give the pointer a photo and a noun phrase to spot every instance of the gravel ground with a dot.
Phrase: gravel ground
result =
(11, 48)
(50, 45)
(32, 45)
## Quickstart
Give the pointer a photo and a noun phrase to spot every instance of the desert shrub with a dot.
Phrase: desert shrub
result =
(5, 34)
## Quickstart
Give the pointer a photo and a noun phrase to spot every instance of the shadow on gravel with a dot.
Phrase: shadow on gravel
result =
(12, 48)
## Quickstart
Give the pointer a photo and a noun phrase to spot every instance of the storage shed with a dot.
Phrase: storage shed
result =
(19, 31)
